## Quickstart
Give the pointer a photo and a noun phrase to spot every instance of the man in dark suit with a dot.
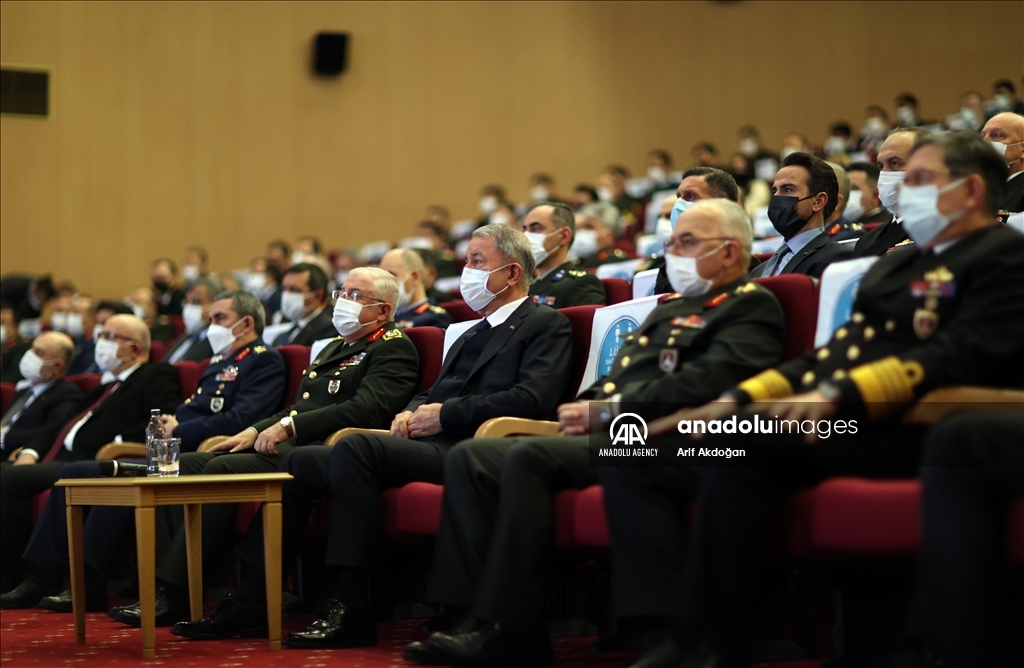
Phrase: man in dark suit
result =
(118, 409)
(44, 400)
(359, 380)
(493, 553)
(414, 309)
(85, 351)
(892, 158)
(1005, 132)
(805, 193)
(550, 228)
(515, 361)
(167, 291)
(192, 345)
(27, 295)
(947, 311)
(303, 303)
(243, 382)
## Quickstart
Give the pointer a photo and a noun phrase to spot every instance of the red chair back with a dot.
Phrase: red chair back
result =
(157, 350)
(617, 290)
(296, 360)
(429, 342)
(459, 311)
(763, 257)
(189, 373)
(6, 395)
(582, 320)
(177, 324)
(86, 382)
(798, 296)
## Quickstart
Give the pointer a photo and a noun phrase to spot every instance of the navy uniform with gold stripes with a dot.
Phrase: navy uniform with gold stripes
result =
(422, 314)
(565, 286)
(233, 392)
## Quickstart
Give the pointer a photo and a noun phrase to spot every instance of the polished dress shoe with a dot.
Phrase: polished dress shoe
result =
(422, 653)
(228, 619)
(492, 645)
(168, 611)
(445, 621)
(670, 655)
(26, 595)
(94, 602)
(336, 626)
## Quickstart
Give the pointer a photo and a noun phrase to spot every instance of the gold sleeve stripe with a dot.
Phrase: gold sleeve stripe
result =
(767, 385)
(886, 385)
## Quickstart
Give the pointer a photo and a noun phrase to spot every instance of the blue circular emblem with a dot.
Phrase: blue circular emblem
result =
(613, 339)
(844, 303)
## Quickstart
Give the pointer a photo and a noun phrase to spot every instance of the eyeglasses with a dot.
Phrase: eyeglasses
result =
(113, 336)
(689, 243)
(355, 296)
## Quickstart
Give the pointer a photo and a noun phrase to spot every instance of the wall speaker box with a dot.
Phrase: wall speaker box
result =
(330, 53)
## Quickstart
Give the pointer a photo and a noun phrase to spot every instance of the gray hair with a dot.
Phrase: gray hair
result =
(246, 304)
(733, 221)
(385, 287)
(512, 246)
(844, 182)
(213, 287)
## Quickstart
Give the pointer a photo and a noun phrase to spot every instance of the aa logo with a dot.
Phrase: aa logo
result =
(628, 429)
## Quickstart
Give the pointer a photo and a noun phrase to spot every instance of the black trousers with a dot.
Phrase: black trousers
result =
(18, 485)
(495, 546)
(972, 471)
(354, 473)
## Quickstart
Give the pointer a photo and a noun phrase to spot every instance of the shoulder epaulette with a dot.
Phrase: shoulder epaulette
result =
(746, 287)
(259, 350)
(392, 334)
(578, 273)
(716, 300)
(436, 309)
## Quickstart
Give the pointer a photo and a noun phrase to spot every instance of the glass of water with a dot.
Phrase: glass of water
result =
(167, 450)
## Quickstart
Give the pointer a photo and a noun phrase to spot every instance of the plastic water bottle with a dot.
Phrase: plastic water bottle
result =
(154, 430)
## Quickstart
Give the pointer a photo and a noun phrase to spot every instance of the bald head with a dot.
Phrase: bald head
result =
(1005, 132)
(132, 337)
(56, 350)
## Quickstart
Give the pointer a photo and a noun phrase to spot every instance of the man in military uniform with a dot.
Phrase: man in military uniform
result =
(414, 308)
(594, 238)
(892, 158)
(550, 226)
(493, 552)
(244, 381)
(946, 311)
(361, 379)
(1005, 132)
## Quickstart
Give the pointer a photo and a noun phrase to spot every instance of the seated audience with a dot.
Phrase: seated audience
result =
(594, 239)
(1005, 132)
(304, 304)
(412, 309)
(166, 288)
(195, 313)
(550, 227)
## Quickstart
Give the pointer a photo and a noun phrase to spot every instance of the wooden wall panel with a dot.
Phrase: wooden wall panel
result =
(198, 122)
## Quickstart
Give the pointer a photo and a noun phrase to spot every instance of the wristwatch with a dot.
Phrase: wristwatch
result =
(830, 391)
(286, 424)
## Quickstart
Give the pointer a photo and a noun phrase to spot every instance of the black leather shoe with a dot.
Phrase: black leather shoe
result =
(335, 626)
(670, 655)
(445, 621)
(228, 619)
(94, 602)
(422, 653)
(491, 645)
(168, 611)
(26, 595)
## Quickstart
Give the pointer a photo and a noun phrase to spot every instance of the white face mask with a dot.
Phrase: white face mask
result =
(663, 230)
(190, 272)
(1000, 148)
(835, 145)
(605, 194)
(1002, 102)
(473, 286)
(683, 275)
(75, 325)
(656, 173)
(106, 355)
(854, 208)
(59, 321)
(346, 316)
(748, 146)
(906, 115)
(488, 204)
(889, 189)
(97, 329)
(221, 338)
(3, 335)
(537, 240)
(293, 305)
(919, 208)
(255, 282)
(539, 193)
(787, 151)
(874, 126)
(138, 311)
(31, 366)
(498, 218)
(340, 277)
(298, 257)
(404, 296)
(585, 243)
(192, 316)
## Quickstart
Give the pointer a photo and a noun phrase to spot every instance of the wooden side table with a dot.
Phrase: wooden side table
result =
(190, 491)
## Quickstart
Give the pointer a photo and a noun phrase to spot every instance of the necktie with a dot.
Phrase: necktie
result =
(58, 443)
(287, 337)
(16, 407)
(481, 326)
(775, 261)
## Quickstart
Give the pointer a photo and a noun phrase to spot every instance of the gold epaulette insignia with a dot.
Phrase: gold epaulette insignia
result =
(768, 384)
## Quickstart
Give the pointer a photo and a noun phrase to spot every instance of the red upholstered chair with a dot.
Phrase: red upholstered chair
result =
(86, 382)
(177, 324)
(412, 513)
(429, 342)
(6, 395)
(763, 257)
(1016, 534)
(157, 350)
(627, 246)
(189, 373)
(296, 360)
(798, 296)
(582, 320)
(617, 290)
(459, 311)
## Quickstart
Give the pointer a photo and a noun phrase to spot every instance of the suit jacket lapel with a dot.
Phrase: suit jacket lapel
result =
(805, 252)
(504, 333)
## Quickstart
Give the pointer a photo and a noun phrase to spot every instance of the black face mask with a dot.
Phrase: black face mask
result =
(782, 213)
(161, 286)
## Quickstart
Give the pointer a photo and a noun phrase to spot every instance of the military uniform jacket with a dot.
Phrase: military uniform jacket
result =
(422, 314)
(1013, 198)
(234, 391)
(602, 257)
(565, 286)
(812, 259)
(363, 384)
(882, 239)
(690, 350)
(920, 321)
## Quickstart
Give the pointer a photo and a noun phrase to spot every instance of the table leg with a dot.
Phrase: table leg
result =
(272, 562)
(194, 550)
(145, 533)
(76, 555)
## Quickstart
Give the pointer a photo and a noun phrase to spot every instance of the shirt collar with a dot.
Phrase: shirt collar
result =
(503, 312)
(36, 389)
(1014, 175)
(302, 322)
(797, 243)
(109, 377)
